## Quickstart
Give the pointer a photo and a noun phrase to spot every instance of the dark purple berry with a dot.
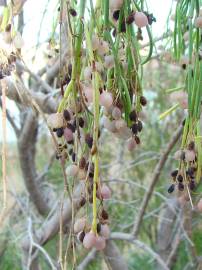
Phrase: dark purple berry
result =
(89, 140)
(82, 163)
(171, 188)
(139, 126)
(81, 122)
(180, 186)
(133, 116)
(174, 173)
(192, 185)
(60, 132)
(134, 128)
(82, 201)
(130, 19)
(143, 101)
(180, 178)
(81, 236)
(73, 12)
(137, 139)
(116, 14)
(66, 115)
(71, 127)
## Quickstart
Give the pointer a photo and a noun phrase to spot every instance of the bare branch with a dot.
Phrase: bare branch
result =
(154, 180)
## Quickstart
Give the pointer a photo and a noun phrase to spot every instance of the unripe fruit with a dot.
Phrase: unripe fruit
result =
(100, 243)
(109, 61)
(131, 144)
(68, 134)
(72, 170)
(95, 42)
(87, 73)
(55, 120)
(88, 92)
(103, 48)
(140, 19)
(105, 231)
(199, 206)
(120, 124)
(99, 66)
(89, 240)
(178, 154)
(106, 99)
(116, 113)
(105, 192)
(79, 225)
(125, 133)
(115, 4)
(81, 174)
(198, 22)
(189, 155)
(109, 125)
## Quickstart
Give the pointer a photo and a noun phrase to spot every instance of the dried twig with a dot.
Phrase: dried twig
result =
(154, 180)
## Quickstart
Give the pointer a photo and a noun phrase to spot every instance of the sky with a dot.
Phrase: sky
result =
(34, 12)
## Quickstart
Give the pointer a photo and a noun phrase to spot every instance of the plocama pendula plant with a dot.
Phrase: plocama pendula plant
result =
(104, 89)
(187, 49)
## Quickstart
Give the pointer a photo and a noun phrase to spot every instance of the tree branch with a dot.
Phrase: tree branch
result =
(154, 180)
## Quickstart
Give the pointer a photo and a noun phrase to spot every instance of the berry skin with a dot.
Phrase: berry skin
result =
(174, 173)
(67, 115)
(171, 188)
(133, 116)
(89, 240)
(180, 178)
(134, 128)
(141, 19)
(143, 101)
(60, 132)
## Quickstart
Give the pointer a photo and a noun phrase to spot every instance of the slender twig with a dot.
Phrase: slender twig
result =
(154, 180)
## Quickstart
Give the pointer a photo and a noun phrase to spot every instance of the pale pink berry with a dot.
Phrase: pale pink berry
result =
(105, 231)
(106, 99)
(81, 174)
(100, 243)
(99, 66)
(89, 240)
(68, 135)
(115, 4)
(79, 225)
(87, 73)
(141, 19)
(109, 61)
(116, 113)
(88, 93)
(178, 154)
(186, 36)
(109, 125)
(125, 133)
(55, 120)
(131, 144)
(72, 170)
(105, 192)
(120, 124)
(103, 48)
(198, 22)
(95, 42)
(190, 155)
(199, 206)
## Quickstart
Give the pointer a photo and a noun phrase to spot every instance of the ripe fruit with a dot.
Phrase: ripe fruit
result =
(89, 240)
(55, 120)
(79, 225)
(106, 99)
(105, 192)
(105, 231)
(80, 236)
(141, 19)
(100, 243)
